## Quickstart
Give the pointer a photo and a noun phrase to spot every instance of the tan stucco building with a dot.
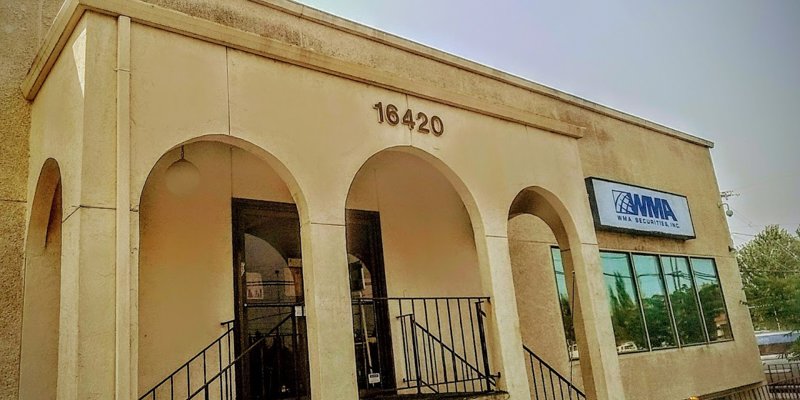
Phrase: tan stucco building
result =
(317, 209)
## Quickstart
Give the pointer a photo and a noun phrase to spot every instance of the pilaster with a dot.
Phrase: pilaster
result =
(506, 345)
(328, 312)
(592, 320)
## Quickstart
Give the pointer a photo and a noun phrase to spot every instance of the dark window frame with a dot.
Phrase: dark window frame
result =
(670, 310)
(555, 249)
(721, 292)
(635, 282)
(698, 307)
(668, 301)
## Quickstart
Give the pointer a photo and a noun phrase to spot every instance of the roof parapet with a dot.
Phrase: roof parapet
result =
(174, 21)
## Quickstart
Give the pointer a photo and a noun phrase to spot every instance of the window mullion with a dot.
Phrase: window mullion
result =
(699, 304)
(669, 302)
(635, 278)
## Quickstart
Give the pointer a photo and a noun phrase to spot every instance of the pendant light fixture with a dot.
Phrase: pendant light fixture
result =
(182, 177)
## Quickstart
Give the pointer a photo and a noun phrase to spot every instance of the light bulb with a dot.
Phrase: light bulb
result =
(182, 177)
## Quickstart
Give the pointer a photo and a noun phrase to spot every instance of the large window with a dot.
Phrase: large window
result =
(656, 301)
(626, 313)
(660, 328)
(563, 301)
(683, 296)
(711, 299)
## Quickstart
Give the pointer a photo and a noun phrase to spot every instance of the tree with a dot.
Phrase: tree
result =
(566, 313)
(659, 326)
(625, 316)
(770, 266)
(687, 315)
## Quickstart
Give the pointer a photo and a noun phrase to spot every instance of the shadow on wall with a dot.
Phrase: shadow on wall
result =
(42, 296)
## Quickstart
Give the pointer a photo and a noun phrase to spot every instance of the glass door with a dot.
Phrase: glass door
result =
(270, 314)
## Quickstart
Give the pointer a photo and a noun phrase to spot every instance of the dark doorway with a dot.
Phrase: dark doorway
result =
(268, 295)
(371, 329)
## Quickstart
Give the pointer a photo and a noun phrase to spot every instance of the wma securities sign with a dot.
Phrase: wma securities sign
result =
(620, 207)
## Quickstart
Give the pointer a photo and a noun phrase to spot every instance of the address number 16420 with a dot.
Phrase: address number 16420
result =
(390, 114)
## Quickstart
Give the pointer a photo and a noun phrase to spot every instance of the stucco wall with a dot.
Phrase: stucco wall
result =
(428, 246)
(40, 326)
(427, 234)
(530, 241)
(185, 259)
(633, 155)
(23, 26)
(185, 275)
(73, 122)
(322, 130)
(325, 34)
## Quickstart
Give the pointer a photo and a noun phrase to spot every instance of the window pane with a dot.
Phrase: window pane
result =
(654, 301)
(711, 299)
(563, 300)
(626, 316)
(684, 303)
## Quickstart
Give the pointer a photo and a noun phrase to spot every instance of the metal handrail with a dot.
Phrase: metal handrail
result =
(442, 324)
(562, 381)
(246, 352)
(783, 371)
(450, 350)
(432, 329)
(186, 365)
(481, 375)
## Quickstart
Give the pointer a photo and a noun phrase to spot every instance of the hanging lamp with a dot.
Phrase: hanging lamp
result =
(182, 177)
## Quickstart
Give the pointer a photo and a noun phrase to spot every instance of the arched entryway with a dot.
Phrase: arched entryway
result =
(538, 230)
(42, 295)
(417, 296)
(220, 288)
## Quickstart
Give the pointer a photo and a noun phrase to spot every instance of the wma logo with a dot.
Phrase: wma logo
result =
(644, 206)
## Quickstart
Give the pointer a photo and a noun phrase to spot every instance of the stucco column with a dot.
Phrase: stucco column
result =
(124, 366)
(592, 321)
(329, 318)
(87, 348)
(506, 339)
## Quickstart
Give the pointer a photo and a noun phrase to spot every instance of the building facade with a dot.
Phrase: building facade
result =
(256, 199)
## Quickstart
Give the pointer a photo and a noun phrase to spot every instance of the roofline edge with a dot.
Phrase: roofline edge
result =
(171, 20)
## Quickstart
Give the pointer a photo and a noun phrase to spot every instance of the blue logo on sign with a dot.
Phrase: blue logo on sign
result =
(644, 206)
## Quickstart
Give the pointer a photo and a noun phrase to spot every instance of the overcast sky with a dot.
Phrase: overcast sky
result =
(724, 70)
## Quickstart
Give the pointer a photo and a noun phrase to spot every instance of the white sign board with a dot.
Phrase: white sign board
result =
(374, 378)
(620, 207)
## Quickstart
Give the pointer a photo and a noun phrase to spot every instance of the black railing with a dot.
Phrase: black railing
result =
(782, 371)
(777, 390)
(442, 341)
(279, 369)
(261, 379)
(549, 384)
(195, 372)
(439, 347)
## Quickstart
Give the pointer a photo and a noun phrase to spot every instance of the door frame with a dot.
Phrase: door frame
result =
(239, 205)
(372, 221)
